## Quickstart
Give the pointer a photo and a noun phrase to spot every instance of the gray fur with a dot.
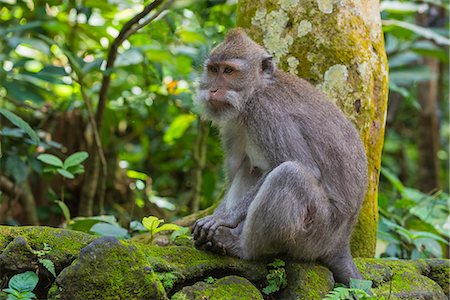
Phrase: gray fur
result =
(296, 165)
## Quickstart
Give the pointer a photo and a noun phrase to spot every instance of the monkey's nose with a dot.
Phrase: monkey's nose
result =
(213, 91)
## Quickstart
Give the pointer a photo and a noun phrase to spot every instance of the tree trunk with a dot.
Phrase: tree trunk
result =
(339, 47)
(428, 131)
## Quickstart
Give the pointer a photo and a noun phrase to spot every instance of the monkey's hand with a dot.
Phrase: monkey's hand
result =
(204, 229)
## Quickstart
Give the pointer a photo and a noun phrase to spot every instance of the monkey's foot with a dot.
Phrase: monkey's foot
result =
(226, 241)
(204, 229)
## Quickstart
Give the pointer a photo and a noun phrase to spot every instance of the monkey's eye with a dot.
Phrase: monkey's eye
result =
(228, 70)
(213, 69)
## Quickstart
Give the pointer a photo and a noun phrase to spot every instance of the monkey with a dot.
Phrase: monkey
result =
(296, 167)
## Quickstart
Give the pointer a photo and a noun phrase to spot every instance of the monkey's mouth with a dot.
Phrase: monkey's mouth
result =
(217, 105)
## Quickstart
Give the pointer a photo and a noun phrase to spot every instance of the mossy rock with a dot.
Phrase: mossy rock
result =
(187, 264)
(108, 269)
(405, 279)
(65, 244)
(307, 281)
(89, 267)
(229, 287)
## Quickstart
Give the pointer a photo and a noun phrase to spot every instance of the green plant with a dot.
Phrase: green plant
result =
(210, 279)
(21, 286)
(67, 169)
(16, 120)
(276, 278)
(167, 279)
(182, 233)
(358, 290)
(412, 224)
(152, 223)
(47, 263)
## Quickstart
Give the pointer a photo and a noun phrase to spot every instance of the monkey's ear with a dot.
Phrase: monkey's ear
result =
(268, 66)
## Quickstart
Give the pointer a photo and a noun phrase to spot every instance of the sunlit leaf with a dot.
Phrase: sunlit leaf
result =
(169, 227)
(151, 223)
(177, 128)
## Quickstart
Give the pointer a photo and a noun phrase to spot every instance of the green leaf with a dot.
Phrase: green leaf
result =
(24, 282)
(137, 175)
(182, 233)
(105, 229)
(169, 227)
(49, 265)
(277, 263)
(151, 223)
(16, 168)
(19, 122)
(393, 179)
(422, 31)
(78, 169)
(75, 159)
(50, 159)
(178, 127)
(65, 210)
(65, 173)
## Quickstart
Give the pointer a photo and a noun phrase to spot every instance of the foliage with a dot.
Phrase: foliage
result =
(167, 279)
(47, 263)
(71, 165)
(415, 224)
(21, 286)
(16, 120)
(276, 278)
(52, 51)
(210, 279)
(99, 225)
(358, 290)
(152, 224)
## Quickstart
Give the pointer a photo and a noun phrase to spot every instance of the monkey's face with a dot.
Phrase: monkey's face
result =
(224, 88)
(234, 70)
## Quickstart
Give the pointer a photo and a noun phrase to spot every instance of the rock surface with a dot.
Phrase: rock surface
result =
(88, 267)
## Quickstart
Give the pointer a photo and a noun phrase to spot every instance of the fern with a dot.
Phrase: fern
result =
(49, 265)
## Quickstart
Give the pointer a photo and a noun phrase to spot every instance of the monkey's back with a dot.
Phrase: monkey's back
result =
(315, 132)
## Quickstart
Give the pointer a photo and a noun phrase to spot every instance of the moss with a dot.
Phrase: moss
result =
(109, 269)
(65, 244)
(187, 263)
(440, 272)
(307, 281)
(230, 287)
(400, 279)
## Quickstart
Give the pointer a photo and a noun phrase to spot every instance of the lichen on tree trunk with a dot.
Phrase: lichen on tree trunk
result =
(339, 47)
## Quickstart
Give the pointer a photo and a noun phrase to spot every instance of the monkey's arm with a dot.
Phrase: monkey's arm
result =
(233, 208)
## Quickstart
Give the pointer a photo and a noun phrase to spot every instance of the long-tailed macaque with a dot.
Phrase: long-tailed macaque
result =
(296, 166)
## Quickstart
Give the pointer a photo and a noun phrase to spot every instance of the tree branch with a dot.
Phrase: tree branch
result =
(127, 30)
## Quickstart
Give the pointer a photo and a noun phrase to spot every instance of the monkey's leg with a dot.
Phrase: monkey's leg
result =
(278, 216)
(342, 266)
(284, 214)
(291, 214)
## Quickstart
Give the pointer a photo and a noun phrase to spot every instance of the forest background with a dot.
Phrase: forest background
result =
(159, 158)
